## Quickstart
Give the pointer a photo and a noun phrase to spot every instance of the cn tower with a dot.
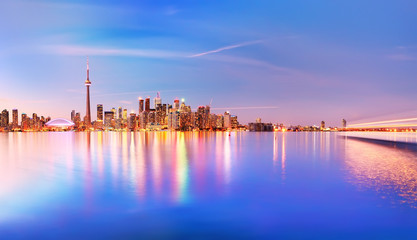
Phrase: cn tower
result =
(88, 112)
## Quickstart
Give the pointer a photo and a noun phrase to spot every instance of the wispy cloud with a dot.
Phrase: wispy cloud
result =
(402, 57)
(244, 108)
(227, 48)
(77, 50)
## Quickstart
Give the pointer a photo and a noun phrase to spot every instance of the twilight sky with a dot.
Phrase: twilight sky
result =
(295, 62)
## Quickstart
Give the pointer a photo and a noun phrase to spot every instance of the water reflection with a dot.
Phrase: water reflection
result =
(390, 171)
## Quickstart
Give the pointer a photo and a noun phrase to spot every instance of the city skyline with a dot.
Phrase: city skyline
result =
(355, 64)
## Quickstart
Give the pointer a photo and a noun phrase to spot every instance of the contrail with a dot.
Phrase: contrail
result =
(227, 48)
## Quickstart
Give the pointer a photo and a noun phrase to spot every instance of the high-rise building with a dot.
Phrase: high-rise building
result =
(4, 118)
(322, 125)
(227, 122)
(114, 113)
(25, 122)
(100, 112)
(120, 112)
(15, 118)
(176, 105)
(88, 112)
(125, 114)
(132, 121)
(343, 123)
(147, 104)
(108, 118)
(157, 100)
(140, 105)
(72, 115)
(233, 122)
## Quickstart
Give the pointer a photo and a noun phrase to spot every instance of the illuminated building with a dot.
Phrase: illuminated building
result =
(147, 104)
(140, 105)
(120, 113)
(220, 121)
(88, 112)
(77, 119)
(227, 121)
(25, 122)
(132, 121)
(15, 119)
(125, 114)
(258, 126)
(99, 112)
(143, 120)
(176, 105)
(174, 120)
(72, 115)
(322, 125)
(157, 100)
(59, 124)
(343, 123)
(114, 113)
(4, 123)
(108, 117)
(233, 122)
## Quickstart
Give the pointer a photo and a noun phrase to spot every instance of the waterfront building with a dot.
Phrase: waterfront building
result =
(100, 112)
(227, 121)
(258, 126)
(233, 122)
(132, 122)
(176, 105)
(4, 122)
(125, 115)
(88, 112)
(322, 125)
(140, 105)
(15, 119)
(72, 115)
(343, 123)
(220, 121)
(157, 100)
(108, 117)
(173, 120)
(120, 113)
(148, 104)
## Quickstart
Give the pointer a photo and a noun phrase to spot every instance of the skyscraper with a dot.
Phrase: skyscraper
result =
(227, 121)
(120, 112)
(344, 123)
(88, 112)
(157, 100)
(15, 121)
(5, 118)
(125, 114)
(176, 104)
(72, 115)
(100, 112)
(140, 105)
(322, 125)
(147, 104)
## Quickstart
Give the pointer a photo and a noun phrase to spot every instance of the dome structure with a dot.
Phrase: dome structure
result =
(59, 123)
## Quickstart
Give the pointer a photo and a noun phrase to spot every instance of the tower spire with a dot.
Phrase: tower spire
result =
(88, 84)
(88, 71)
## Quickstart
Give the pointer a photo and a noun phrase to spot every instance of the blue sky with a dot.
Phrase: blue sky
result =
(296, 62)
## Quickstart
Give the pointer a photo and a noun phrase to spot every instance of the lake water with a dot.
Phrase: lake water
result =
(174, 185)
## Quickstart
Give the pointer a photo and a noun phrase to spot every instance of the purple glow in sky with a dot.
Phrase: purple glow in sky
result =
(293, 62)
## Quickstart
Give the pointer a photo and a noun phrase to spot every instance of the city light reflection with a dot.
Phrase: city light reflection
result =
(390, 171)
